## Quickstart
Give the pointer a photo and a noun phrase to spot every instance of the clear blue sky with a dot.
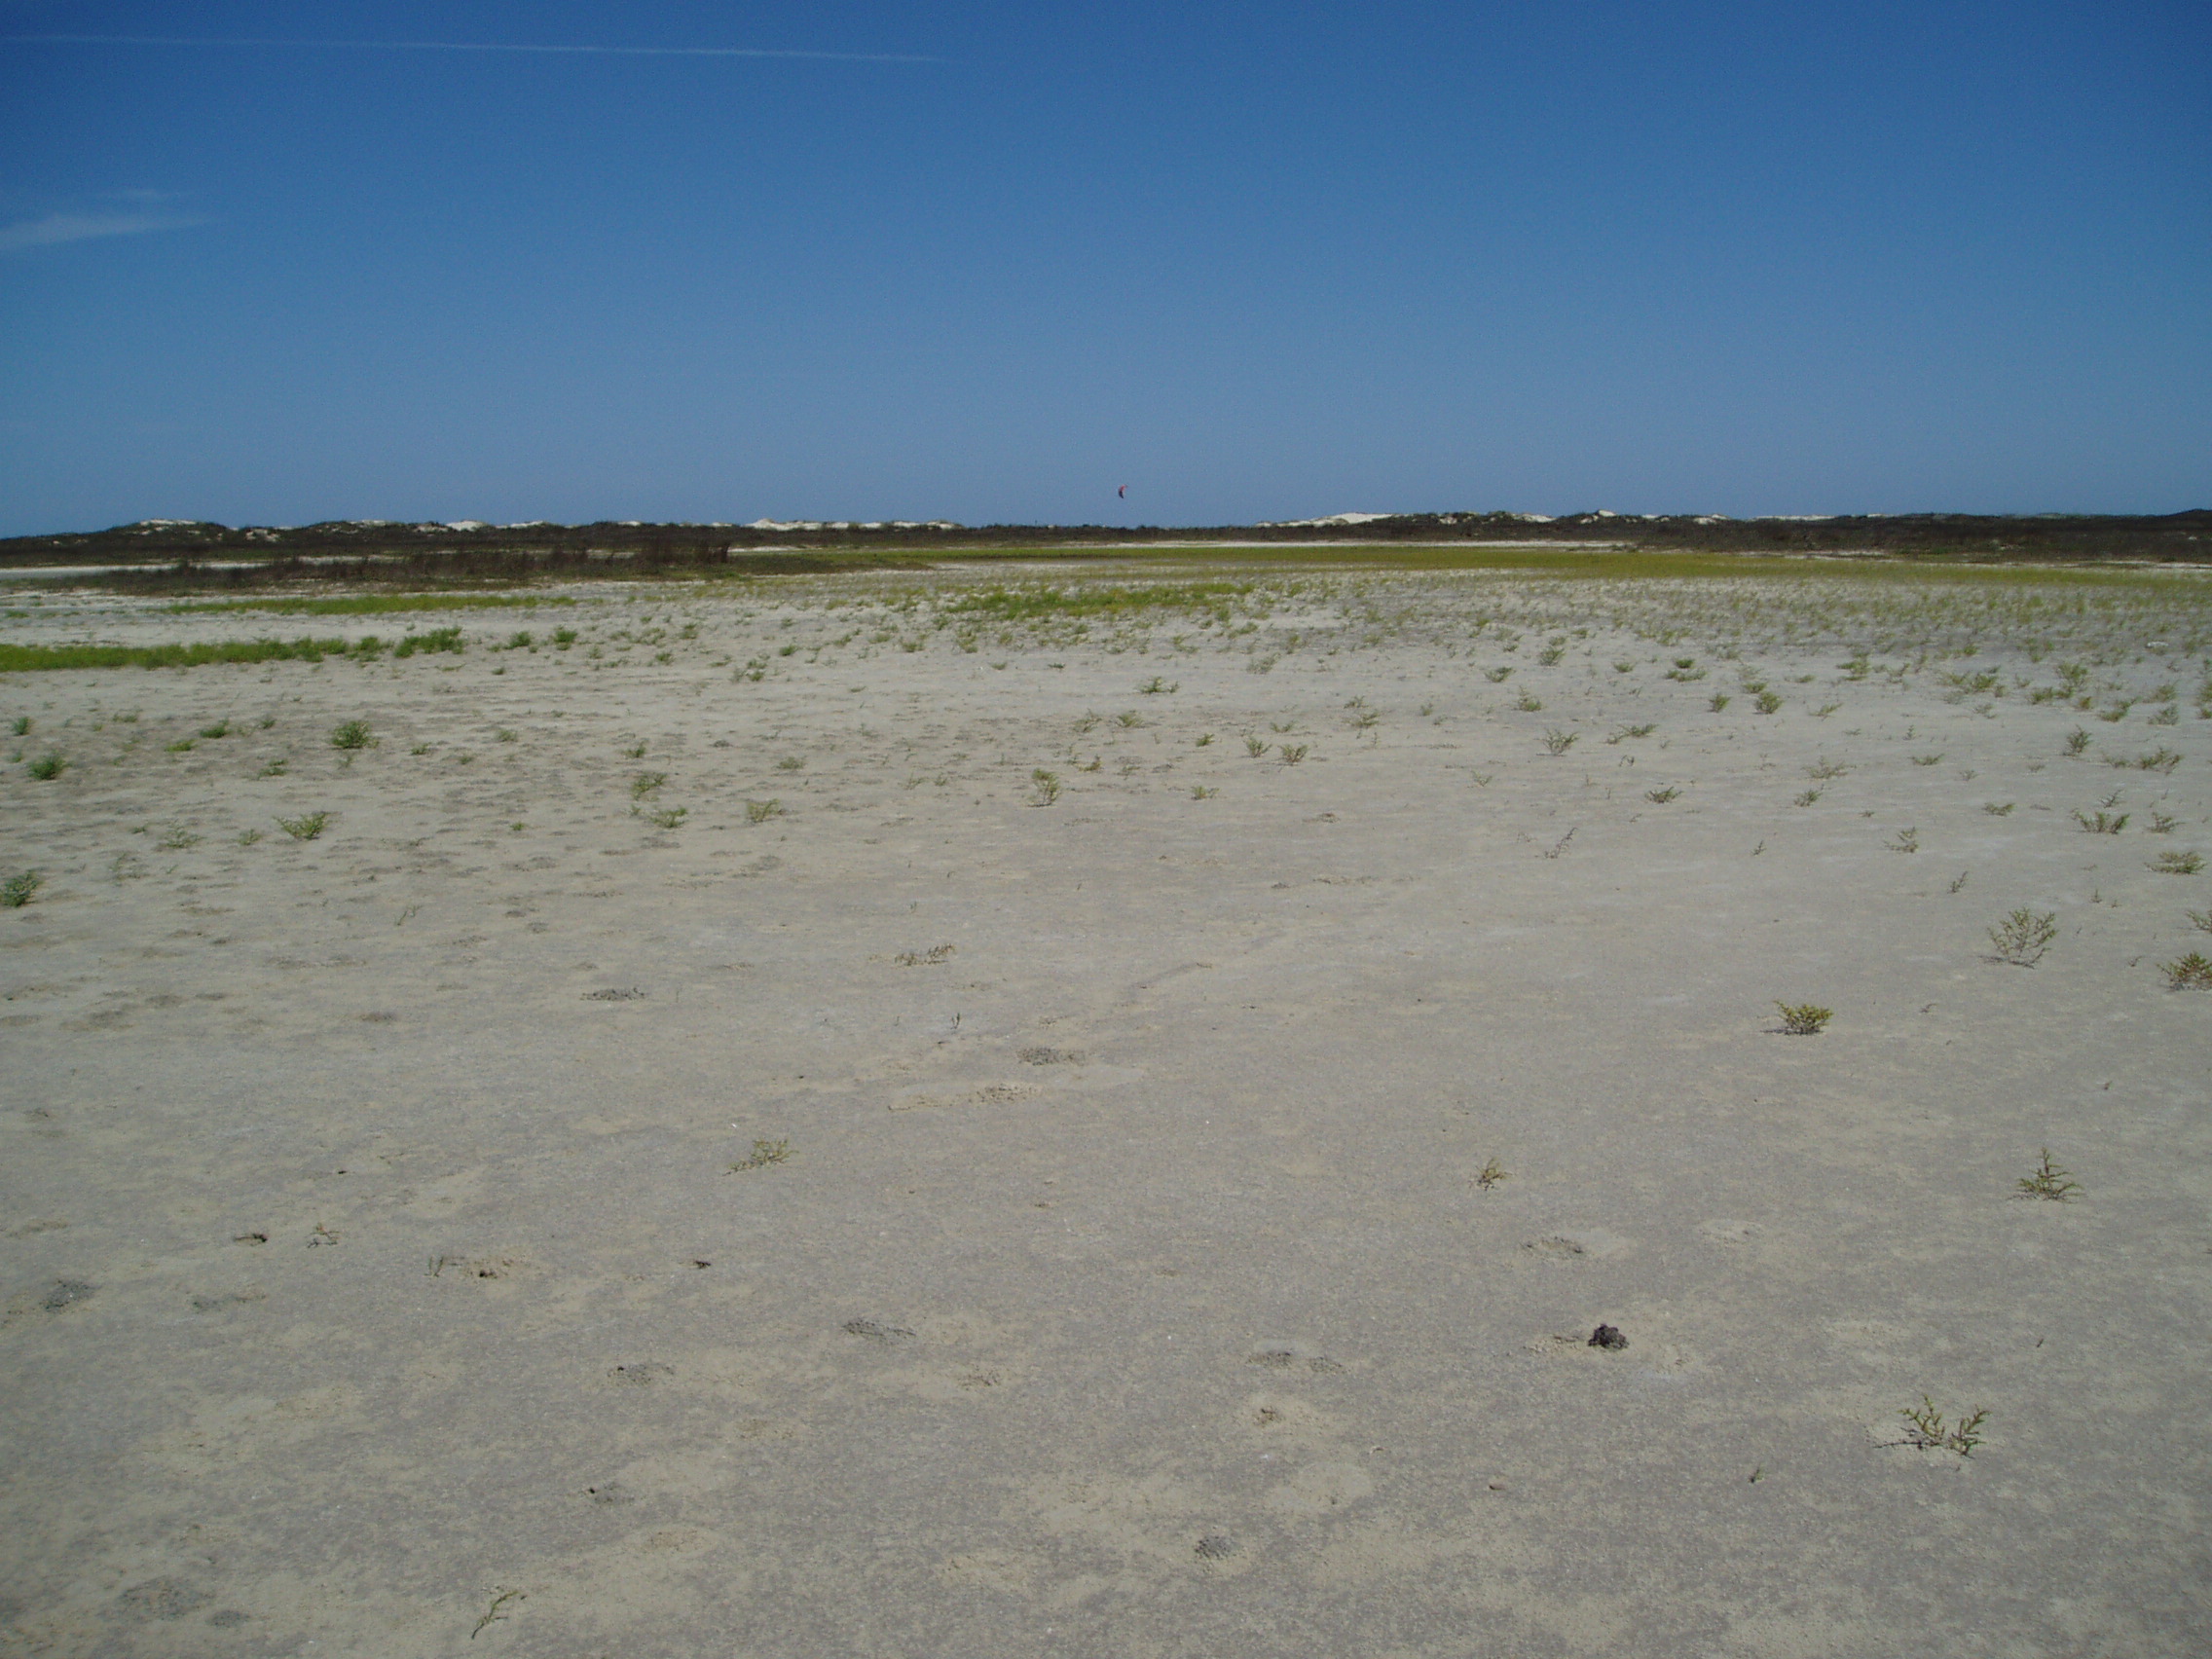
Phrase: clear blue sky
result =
(1254, 261)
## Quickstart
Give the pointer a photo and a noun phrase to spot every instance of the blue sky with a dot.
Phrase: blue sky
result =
(990, 262)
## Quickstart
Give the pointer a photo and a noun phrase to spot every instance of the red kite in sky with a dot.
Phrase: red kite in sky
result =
(1124, 491)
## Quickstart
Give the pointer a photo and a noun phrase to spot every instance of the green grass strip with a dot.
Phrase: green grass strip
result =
(24, 659)
(375, 604)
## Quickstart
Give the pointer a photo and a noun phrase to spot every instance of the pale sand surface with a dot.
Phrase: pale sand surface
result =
(1129, 1288)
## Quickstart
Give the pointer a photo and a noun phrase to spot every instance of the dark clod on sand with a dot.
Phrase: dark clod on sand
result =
(1608, 1338)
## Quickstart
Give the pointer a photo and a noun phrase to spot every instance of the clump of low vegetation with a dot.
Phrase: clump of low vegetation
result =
(48, 766)
(1045, 787)
(2177, 864)
(2047, 1180)
(1804, 1019)
(2023, 936)
(15, 891)
(764, 1153)
(1927, 1430)
(1490, 1175)
(2190, 972)
(305, 828)
(929, 958)
(350, 736)
(760, 811)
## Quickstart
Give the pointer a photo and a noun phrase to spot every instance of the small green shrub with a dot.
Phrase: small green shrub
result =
(1292, 752)
(645, 783)
(1804, 1019)
(1661, 797)
(1529, 703)
(760, 811)
(668, 816)
(15, 891)
(2190, 972)
(1043, 787)
(1718, 701)
(2047, 1180)
(2103, 824)
(351, 735)
(2177, 864)
(2076, 741)
(48, 766)
(1926, 1429)
(1559, 742)
(1767, 702)
(306, 827)
(2023, 936)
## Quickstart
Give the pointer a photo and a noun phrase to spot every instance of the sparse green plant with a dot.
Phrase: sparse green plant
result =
(760, 811)
(1926, 1429)
(1958, 883)
(2160, 759)
(1529, 703)
(645, 783)
(2076, 741)
(1043, 787)
(177, 837)
(2190, 972)
(1807, 798)
(248, 837)
(1292, 752)
(636, 752)
(790, 763)
(1767, 702)
(275, 769)
(1928, 759)
(1804, 1019)
(15, 891)
(2103, 824)
(351, 735)
(2201, 920)
(1199, 791)
(1490, 1175)
(2163, 823)
(666, 818)
(1825, 710)
(563, 638)
(419, 748)
(1559, 742)
(1904, 841)
(1550, 655)
(1644, 730)
(1825, 768)
(20, 726)
(1718, 701)
(506, 734)
(1997, 809)
(1498, 675)
(182, 745)
(1156, 686)
(2023, 936)
(221, 728)
(305, 828)
(929, 958)
(1624, 668)
(1661, 797)
(1129, 719)
(1203, 739)
(2047, 1180)
(48, 766)
(764, 1153)
(2177, 864)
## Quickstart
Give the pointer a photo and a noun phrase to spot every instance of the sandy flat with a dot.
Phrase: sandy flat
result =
(854, 1196)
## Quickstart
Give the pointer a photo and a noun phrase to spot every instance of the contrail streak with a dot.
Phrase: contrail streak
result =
(476, 46)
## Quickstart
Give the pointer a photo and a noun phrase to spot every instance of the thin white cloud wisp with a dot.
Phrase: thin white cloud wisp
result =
(58, 228)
